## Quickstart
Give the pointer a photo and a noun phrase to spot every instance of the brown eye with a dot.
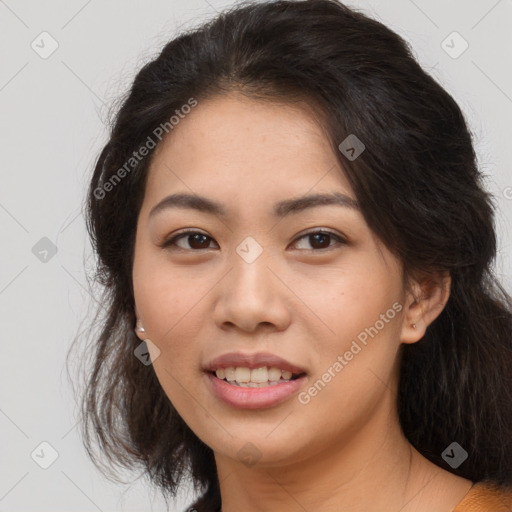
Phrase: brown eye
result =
(194, 239)
(320, 240)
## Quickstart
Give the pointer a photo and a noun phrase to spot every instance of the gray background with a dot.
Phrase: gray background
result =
(54, 112)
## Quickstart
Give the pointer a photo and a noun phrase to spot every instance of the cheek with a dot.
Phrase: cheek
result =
(356, 361)
(173, 321)
(350, 301)
(166, 298)
(356, 358)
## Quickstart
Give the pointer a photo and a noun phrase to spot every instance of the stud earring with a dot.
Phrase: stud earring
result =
(414, 326)
(139, 327)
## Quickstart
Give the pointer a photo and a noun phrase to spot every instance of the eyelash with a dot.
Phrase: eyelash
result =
(172, 241)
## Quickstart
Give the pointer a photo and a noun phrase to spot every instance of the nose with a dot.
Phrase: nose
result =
(251, 296)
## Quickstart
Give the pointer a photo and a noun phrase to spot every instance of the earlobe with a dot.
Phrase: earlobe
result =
(139, 330)
(425, 302)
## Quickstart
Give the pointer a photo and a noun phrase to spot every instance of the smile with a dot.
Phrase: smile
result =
(253, 395)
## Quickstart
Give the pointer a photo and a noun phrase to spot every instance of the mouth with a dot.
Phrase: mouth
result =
(253, 380)
(225, 385)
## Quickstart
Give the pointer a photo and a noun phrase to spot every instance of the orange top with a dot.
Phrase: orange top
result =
(485, 497)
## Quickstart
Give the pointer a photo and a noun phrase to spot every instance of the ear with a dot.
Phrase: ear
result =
(426, 299)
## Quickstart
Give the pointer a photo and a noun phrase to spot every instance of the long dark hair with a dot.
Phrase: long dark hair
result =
(420, 191)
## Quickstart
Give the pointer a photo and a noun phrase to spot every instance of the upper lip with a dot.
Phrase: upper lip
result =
(256, 360)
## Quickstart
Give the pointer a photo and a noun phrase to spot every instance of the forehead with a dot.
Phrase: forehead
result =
(245, 148)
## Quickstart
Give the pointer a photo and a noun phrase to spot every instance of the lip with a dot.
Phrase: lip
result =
(251, 361)
(253, 398)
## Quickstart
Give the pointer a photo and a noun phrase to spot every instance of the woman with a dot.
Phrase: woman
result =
(297, 253)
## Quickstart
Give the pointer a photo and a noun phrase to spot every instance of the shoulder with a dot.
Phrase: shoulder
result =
(486, 497)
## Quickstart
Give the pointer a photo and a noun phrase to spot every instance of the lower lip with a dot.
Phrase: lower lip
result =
(253, 398)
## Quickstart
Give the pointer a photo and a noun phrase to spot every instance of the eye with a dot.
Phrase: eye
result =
(196, 240)
(321, 238)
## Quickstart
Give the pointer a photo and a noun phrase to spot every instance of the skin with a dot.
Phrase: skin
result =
(303, 299)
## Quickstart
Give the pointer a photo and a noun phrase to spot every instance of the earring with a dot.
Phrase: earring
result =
(139, 327)
(414, 326)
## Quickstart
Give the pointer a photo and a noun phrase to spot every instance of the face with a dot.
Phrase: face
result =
(308, 283)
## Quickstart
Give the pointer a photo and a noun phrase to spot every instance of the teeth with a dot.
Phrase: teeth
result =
(242, 374)
(257, 377)
(274, 374)
(230, 374)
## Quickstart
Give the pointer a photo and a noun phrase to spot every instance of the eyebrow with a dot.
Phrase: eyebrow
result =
(281, 209)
